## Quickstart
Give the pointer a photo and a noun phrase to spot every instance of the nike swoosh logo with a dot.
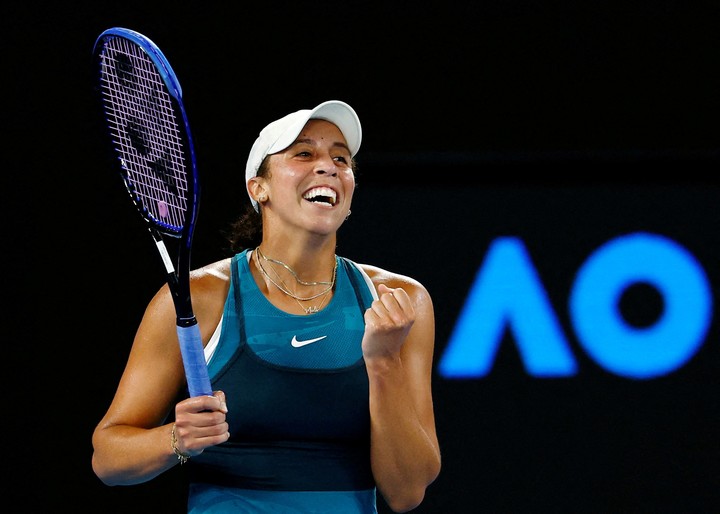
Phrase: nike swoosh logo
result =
(298, 344)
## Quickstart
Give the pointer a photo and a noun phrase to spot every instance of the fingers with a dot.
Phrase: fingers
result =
(396, 304)
(204, 403)
(387, 323)
(202, 411)
(191, 440)
(220, 395)
(200, 422)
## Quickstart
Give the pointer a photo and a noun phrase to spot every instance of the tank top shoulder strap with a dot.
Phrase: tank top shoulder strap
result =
(360, 282)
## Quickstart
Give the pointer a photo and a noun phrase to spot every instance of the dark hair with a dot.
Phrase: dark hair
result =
(246, 230)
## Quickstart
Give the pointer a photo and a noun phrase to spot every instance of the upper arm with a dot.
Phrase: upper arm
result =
(154, 378)
(153, 374)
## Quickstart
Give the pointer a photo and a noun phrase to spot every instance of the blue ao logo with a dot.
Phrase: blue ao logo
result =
(507, 294)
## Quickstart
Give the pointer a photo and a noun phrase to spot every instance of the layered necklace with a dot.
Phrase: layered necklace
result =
(312, 309)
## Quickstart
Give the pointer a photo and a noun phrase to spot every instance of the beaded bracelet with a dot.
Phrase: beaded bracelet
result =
(182, 457)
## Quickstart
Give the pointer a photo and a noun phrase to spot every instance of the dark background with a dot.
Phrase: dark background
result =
(563, 123)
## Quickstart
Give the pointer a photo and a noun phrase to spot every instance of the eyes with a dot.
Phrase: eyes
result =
(339, 154)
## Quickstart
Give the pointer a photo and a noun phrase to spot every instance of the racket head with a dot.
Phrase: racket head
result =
(149, 130)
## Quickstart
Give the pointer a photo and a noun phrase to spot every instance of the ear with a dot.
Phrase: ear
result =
(257, 187)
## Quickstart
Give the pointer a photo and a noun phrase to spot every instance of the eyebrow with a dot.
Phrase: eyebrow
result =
(312, 142)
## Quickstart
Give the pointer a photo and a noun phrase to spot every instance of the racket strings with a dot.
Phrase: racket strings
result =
(145, 131)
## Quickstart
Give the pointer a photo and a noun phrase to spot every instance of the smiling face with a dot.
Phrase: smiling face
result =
(311, 182)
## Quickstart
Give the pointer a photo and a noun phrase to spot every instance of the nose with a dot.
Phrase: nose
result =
(326, 166)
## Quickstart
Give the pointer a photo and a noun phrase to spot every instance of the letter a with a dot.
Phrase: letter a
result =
(507, 293)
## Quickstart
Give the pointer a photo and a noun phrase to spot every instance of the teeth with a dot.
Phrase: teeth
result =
(325, 192)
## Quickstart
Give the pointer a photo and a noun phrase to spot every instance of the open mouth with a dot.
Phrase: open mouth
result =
(321, 195)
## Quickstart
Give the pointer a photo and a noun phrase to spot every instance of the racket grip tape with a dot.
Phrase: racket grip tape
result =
(193, 357)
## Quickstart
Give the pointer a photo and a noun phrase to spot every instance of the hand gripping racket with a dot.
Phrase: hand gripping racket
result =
(150, 134)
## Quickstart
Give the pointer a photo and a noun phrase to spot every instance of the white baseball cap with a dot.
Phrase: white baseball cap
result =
(281, 133)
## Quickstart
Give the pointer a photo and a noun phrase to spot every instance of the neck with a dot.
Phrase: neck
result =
(279, 276)
(311, 262)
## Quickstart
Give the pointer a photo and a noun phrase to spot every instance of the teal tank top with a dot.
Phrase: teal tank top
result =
(298, 405)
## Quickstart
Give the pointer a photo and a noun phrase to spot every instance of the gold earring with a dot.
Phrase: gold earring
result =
(262, 198)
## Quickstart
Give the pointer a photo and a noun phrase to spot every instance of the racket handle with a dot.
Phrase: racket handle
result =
(193, 357)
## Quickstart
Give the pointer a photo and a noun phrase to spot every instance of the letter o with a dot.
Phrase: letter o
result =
(649, 351)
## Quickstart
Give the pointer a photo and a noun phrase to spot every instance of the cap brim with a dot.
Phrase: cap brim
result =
(334, 111)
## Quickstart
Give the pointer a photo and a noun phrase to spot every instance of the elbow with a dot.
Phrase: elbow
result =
(105, 473)
(97, 462)
(405, 501)
(404, 506)
(98, 470)
(411, 496)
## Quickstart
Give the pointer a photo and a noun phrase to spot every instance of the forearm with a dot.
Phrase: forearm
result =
(125, 455)
(404, 453)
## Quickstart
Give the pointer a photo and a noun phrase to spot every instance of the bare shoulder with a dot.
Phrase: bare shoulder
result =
(389, 278)
(211, 274)
(412, 286)
(209, 287)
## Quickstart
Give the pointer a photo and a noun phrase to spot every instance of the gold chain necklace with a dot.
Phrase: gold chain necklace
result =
(292, 271)
(308, 310)
(285, 290)
(313, 309)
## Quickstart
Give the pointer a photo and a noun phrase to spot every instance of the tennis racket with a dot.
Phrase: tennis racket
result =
(150, 135)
